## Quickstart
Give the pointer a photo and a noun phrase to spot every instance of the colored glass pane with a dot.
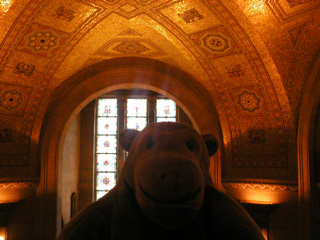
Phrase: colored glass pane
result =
(105, 181)
(166, 120)
(106, 144)
(136, 123)
(166, 108)
(107, 107)
(100, 194)
(137, 107)
(107, 125)
(106, 162)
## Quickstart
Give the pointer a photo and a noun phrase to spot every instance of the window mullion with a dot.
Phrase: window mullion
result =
(151, 106)
(122, 107)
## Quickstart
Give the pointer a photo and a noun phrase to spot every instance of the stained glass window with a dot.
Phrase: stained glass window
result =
(106, 146)
(107, 107)
(166, 110)
(136, 113)
(107, 130)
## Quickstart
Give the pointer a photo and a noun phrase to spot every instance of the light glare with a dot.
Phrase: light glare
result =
(5, 5)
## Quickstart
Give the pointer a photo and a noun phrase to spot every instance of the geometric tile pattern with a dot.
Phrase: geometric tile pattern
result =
(188, 26)
(249, 101)
(130, 47)
(41, 40)
(11, 99)
(216, 42)
(14, 99)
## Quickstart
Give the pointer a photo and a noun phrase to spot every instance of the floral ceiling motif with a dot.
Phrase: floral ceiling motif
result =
(41, 40)
(11, 99)
(248, 101)
(242, 56)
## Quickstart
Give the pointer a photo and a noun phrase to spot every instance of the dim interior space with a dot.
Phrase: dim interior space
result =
(75, 74)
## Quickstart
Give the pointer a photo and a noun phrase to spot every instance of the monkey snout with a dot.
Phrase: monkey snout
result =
(172, 181)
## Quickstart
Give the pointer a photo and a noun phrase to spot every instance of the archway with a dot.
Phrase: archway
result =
(308, 109)
(84, 86)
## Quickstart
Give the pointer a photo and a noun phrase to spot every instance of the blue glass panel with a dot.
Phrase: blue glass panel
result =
(106, 144)
(136, 123)
(106, 181)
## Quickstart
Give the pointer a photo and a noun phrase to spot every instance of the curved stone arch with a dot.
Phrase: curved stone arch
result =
(84, 86)
(309, 104)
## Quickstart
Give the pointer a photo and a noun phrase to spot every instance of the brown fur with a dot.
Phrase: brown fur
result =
(164, 192)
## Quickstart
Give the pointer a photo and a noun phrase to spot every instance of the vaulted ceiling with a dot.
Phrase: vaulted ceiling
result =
(252, 55)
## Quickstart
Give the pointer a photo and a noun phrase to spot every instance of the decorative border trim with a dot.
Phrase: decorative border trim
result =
(18, 185)
(261, 186)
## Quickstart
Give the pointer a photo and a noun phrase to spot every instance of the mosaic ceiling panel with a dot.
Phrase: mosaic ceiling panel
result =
(45, 42)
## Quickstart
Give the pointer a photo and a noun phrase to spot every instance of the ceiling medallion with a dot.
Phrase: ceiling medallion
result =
(41, 40)
(248, 101)
(11, 99)
(216, 42)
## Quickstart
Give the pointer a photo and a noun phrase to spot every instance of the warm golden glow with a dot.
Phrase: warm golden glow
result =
(264, 232)
(258, 202)
(5, 5)
(3, 233)
(260, 197)
(256, 6)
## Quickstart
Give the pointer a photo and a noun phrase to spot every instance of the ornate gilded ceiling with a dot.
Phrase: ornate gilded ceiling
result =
(252, 55)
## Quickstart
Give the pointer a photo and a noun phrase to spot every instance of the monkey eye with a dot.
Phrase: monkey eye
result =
(191, 144)
(150, 144)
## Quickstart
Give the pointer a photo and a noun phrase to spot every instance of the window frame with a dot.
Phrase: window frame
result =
(122, 97)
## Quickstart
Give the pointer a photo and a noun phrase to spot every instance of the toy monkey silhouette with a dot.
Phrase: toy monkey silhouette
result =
(164, 191)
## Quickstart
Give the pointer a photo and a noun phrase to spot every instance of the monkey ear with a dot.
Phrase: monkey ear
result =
(126, 138)
(211, 143)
